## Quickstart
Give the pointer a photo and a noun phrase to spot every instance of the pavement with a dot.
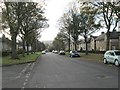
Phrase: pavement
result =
(58, 71)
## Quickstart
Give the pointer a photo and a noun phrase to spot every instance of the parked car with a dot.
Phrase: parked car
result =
(74, 54)
(53, 51)
(62, 52)
(112, 56)
(56, 52)
(43, 52)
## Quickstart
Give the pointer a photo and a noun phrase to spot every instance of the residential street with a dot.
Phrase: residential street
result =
(57, 71)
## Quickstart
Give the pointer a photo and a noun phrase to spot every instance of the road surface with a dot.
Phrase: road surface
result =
(57, 71)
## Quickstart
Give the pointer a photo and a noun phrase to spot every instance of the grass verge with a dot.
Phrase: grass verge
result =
(28, 58)
(90, 56)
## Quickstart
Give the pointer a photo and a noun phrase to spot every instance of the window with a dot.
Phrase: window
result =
(112, 53)
(117, 52)
(107, 53)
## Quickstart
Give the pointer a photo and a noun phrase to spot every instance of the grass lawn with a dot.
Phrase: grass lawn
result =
(28, 58)
(90, 56)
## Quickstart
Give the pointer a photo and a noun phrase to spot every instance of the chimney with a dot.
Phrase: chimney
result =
(102, 33)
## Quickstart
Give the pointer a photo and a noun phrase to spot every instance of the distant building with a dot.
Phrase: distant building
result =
(98, 43)
(93, 42)
(5, 43)
(101, 41)
(82, 44)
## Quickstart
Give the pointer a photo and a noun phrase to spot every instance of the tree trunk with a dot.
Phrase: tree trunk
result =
(75, 45)
(95, 46)
(69, 42)
(27, 49)
(36, 46)
(32, 48)
(23, 53)
(14, 51)
(107, 41)
(86, 51)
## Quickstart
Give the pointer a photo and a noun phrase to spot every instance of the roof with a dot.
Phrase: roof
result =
(101, 37)
(112, 50)
(93, 36)
(113, 35)
(83, 41)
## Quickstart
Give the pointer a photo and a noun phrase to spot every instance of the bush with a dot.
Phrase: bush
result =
(6, 53)
(98, 52)
(20, 51)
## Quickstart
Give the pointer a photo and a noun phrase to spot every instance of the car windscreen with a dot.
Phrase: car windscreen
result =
(74, 51)
(117, 52)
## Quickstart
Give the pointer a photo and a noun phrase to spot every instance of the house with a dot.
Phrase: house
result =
(98, 43)
(93, 42)
(114, 43)
(101, 42)
(72, 47)
(5, 43)
(114, 40)
(82, 44)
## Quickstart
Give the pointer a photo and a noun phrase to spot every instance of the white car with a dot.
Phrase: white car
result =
(56, 52)
(43, 52)
(53, 51)
(62, 52)
(112, 56)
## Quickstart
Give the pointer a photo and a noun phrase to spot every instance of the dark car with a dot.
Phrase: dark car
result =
(74, 54)
(62, 52)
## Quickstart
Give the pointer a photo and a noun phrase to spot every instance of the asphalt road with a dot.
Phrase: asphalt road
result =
(57, 71)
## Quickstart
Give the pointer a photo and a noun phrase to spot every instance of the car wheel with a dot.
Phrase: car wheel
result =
(105, 61)
(116, 63)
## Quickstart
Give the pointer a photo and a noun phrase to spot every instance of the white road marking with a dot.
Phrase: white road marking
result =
(22, 88)
(26, 80)
(17, 77)
(44, 87)
(27, 76)
(23, 71)
(30, 66)
(24, 83)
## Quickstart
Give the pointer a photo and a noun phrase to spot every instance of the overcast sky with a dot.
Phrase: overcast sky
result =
(54, 10)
